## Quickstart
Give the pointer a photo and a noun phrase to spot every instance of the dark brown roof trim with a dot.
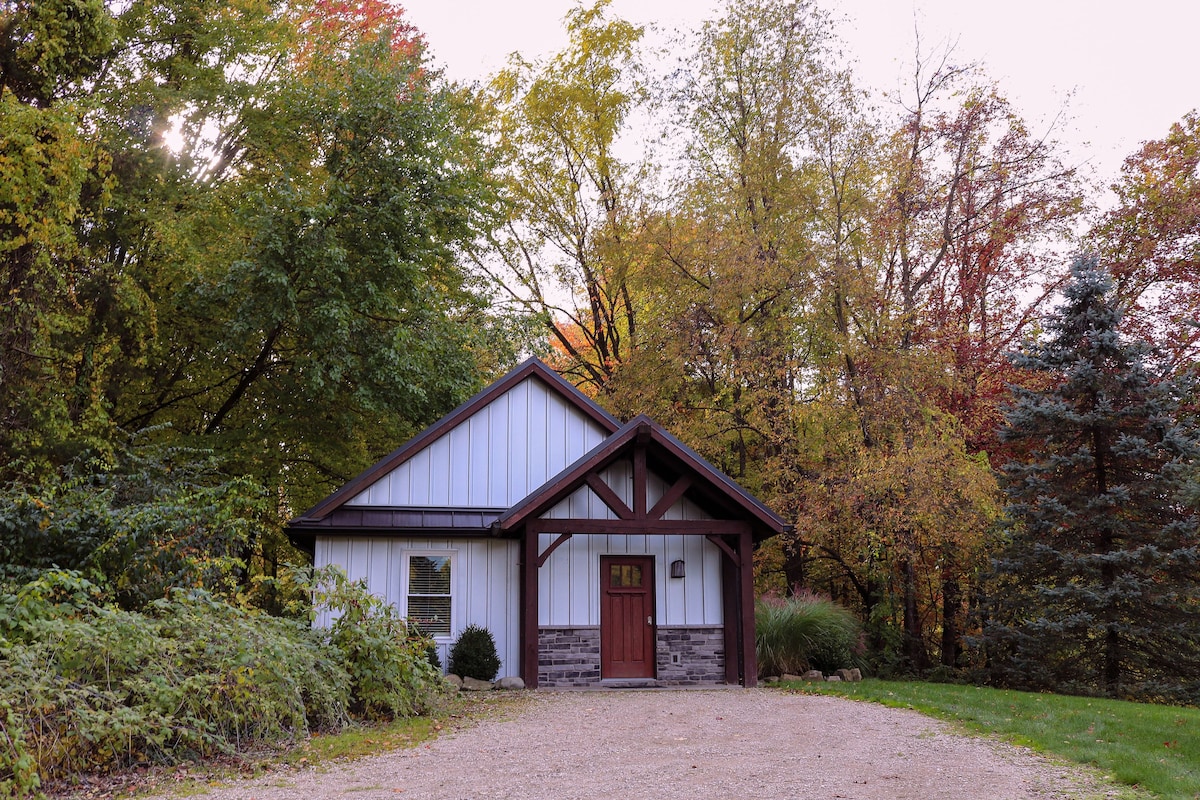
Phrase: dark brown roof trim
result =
(532, 367)
(413, 518)
(645, 429)
(305, 540)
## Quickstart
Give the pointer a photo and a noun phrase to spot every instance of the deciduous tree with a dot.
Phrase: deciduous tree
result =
(275, 268)
(52, 176)
(242, 228)
(1150, 242)
(566, 254)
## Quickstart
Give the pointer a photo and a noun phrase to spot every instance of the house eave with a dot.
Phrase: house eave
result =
(393, 521)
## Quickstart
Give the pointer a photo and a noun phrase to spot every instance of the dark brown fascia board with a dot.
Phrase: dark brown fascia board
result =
(733, 489)
(532, 367)
(574, 476)
(305, 539)
(398, 517)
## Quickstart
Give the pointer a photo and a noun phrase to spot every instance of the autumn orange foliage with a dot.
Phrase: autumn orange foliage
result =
(332, 27)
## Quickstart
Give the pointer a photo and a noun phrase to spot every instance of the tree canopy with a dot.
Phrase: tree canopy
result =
(241, 230)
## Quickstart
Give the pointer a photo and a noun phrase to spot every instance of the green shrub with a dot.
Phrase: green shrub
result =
(390, 672)
(431, 654)
(18, 768)
(804, 632)
(86, 687)
(156, 519)
(473, 654)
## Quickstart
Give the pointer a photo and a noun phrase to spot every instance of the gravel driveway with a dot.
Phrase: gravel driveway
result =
(688, 745)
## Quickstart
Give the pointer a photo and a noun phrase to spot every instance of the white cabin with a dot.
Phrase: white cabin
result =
(593, 551)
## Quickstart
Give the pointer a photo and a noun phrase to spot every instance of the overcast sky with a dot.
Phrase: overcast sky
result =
(1124, 70)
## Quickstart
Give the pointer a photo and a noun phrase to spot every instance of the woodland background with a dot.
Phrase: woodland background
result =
(250, 246)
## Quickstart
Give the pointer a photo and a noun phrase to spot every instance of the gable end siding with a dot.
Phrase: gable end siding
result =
(495, 457)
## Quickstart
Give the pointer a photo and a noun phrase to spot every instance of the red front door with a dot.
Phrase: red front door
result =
(627, 646)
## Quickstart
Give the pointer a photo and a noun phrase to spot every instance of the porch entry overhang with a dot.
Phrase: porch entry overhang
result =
(738, 522)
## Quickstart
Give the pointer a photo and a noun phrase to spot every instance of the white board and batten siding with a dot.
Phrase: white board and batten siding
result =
(569, 581)
(483, 574)
(494, 458)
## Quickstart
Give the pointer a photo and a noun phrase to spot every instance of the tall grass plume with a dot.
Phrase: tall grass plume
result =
(803, 632)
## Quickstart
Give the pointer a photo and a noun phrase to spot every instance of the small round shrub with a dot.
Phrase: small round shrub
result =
(473, 654)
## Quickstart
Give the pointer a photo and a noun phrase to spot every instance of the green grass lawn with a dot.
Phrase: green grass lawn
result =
(1155, 748)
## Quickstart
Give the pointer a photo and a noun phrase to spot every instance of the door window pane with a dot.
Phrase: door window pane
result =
(625, 576)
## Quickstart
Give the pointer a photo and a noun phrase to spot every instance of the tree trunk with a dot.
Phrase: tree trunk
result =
(951, 613)
(795, 574)
(914, 634)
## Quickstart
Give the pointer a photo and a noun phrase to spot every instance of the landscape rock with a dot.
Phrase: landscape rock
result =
(833, 678)
(856, 674)
(787, 676)
(845, 675)
(454, 681)
(814, 675)
(476, 685)
(510, 682)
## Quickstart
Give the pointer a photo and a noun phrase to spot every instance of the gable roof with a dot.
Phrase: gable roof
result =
(531, 368)
(673, 455)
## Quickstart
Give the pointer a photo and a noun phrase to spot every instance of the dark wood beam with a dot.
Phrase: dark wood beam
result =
(639, 479)
(670, 498)
(693, 527)
(726, 549)
(746, 626)
(610, 498)
(553, 546)
(529, 608)
(729, 612)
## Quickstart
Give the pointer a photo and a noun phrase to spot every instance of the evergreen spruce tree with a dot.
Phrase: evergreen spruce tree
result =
(1097, 588)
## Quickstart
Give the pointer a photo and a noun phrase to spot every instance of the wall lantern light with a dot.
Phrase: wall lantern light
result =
(677, 568)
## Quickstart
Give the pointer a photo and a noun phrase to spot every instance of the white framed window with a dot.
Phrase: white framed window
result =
(429, 591)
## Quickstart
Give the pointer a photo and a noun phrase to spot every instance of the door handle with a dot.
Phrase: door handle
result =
(649, 620)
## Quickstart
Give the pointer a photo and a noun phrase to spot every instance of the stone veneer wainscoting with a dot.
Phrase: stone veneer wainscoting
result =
(700, 652)
(570, 657)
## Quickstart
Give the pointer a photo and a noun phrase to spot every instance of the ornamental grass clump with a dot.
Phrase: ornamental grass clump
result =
(473, 654)
(795, 634)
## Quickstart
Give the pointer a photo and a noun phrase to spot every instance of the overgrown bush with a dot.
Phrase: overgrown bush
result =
(86, 686)
(795, 634)
(473, 654)
(390, 671)
(18, 768)
(155, 519)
